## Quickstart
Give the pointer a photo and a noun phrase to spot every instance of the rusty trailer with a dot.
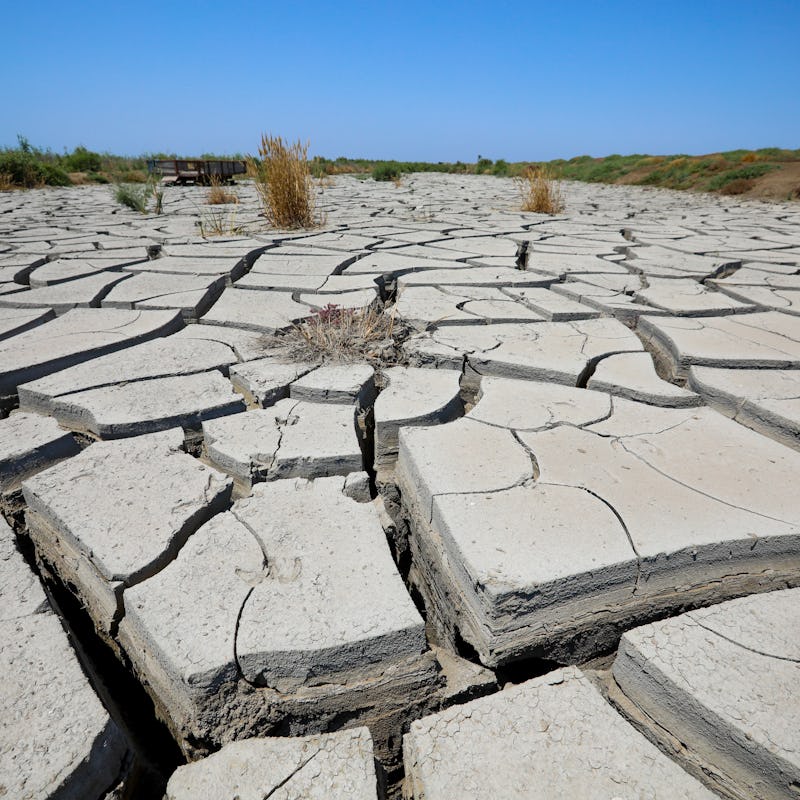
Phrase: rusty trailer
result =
(196, 170)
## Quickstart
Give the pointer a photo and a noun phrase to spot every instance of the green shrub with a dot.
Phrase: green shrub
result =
(54, 176)
(97, 177)
(500, 168)
(386, 171)
(82, 160)
(132, 196)
(21, 168)
(482, 165)
(743, 173)
(25, 166)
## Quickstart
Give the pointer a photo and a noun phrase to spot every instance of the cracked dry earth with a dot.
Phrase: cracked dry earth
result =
(549, 552)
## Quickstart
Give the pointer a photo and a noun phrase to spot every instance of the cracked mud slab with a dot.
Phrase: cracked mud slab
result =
(57, 739)
(331, 766)
(611, 301)
(723, 681)
(776, 299)
(552, 351)
(118, 512)
(412, 397)
(264, 312)
(191, 295)
(767, 401)
(147, 406)
(14, 321)
(265, 381)
(28, 444)
(633, 375)
(291, 439)
(336, 383)
(159, 358)
(765, 340)
(68, 269)
(260, 621)
(543, 532)
(687, 298)
(230, 267)
(473, 276)
(61, 297)
(77, 336)
(554, 736)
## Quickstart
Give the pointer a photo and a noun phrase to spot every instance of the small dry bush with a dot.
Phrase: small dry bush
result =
(220, 223)
(283, 182)
(6, 182)
(738, 186)
(219, 195)
(540, 192)
(346, 335)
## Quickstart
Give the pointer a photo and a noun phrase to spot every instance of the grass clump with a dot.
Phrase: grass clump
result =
(137, 195)
(218, 195)
(132, 196)
(386, 171)
(540, 192)
(283, 181)
(219, 222)
(346, 335)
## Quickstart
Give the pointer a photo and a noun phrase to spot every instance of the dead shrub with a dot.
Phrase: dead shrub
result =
(283, 181)
(541, 193)
(219, 195)
(749, 158)
(220, 223)
(738, 186)
(6, 182)
(345, 335)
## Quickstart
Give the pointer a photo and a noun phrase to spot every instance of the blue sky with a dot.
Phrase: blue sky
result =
(407, 80)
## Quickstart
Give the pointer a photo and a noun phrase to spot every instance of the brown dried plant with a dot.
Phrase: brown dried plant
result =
(346, 335)
(283, 181)
(219, 195)
(541, 193)
(220, 223)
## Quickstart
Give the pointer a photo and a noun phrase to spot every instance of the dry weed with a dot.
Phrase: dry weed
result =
(540, 192)
(219, 195)
(346, 335)
(6, 182)
(220, 223)
(283, 181)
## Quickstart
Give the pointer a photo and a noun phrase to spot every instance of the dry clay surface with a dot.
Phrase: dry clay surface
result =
(547, 548)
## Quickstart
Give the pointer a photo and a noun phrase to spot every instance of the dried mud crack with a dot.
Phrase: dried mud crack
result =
(442, 499)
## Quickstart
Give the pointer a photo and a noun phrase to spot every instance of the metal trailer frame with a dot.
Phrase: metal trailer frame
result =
(183, 171)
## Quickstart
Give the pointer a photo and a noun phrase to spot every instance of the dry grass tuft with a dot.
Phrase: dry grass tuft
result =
(283, 182)
(540, 192)
(220, 223)
(218, 195)
(346, 335)
(6, 182)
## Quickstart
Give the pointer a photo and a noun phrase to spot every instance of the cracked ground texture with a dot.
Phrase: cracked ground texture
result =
(547, 550)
